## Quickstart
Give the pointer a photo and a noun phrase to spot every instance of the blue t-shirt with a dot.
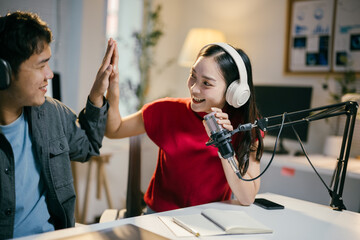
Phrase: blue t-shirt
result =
(31, 215)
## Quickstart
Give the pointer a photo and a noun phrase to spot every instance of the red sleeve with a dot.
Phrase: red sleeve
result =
(154, 115)
(161, 116)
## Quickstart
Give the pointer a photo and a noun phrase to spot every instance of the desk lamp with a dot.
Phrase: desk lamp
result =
(196, 39)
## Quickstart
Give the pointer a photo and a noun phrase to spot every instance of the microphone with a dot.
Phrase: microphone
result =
(221, 138)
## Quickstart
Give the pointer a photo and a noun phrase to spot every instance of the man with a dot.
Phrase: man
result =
(40, 135)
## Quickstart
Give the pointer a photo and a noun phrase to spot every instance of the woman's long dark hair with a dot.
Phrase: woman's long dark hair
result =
(243, 142)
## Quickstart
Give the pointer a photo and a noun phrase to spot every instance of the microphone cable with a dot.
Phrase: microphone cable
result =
(272, 156)
(308, 159)
(274, 152)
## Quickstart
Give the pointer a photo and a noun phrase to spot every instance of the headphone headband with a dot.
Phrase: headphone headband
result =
(237, 59)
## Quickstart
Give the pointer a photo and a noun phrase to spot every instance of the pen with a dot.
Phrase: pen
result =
(187, 228)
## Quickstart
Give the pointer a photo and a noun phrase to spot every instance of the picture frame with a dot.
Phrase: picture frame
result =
(346, 47)
(323, 36)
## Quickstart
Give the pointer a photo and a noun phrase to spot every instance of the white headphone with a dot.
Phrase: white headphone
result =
(238, 93)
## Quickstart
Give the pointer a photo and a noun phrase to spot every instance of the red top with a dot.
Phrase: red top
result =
(188, 172)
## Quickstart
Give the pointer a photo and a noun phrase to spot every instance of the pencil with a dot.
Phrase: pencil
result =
(186, 227)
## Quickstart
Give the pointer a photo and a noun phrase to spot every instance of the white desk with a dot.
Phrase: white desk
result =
(293, 176)
(299, 220)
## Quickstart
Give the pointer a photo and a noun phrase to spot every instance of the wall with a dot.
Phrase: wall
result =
(257, 26)
(67, 49)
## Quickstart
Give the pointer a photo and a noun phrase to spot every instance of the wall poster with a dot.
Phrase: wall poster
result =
(323, 36)
(346, 54)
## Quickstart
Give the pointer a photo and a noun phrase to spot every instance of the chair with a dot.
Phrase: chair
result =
(101, 181)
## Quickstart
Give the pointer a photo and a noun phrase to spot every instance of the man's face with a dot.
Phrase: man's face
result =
(30, 85)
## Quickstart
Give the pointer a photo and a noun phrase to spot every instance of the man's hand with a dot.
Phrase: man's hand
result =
(107, 75)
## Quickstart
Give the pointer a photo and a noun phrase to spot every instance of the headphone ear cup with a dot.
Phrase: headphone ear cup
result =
(5, 74)
(237, 94)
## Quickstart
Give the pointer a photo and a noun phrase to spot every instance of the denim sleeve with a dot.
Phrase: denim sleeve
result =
(88, 132)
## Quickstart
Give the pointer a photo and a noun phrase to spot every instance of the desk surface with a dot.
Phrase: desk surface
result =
(299, 220)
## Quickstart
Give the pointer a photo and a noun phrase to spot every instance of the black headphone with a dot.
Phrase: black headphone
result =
(5, 74)
(5, 68)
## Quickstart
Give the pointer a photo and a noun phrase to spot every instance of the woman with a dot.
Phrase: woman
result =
(188, 172)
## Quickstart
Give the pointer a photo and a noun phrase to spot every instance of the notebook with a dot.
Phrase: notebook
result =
(212, 222)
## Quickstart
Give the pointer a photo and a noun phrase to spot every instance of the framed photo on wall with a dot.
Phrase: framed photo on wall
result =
(346, 49)
(310, 35)
(323, 36)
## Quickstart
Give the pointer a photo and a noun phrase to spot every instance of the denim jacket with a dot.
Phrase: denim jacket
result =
(58, 136)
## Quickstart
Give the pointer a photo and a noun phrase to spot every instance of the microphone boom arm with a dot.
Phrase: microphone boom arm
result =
(344, 108)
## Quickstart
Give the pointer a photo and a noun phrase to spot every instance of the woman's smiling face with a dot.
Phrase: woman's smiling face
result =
(207, 85)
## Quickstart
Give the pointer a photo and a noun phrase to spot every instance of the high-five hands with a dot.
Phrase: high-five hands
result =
(107, 77)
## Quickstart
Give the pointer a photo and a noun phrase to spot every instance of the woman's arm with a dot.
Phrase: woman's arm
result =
(116, 126)
(244, 191)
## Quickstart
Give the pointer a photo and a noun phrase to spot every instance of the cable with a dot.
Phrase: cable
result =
(307, 157)
(273, 154)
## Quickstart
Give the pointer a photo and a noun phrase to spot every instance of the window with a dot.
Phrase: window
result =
(123, 19)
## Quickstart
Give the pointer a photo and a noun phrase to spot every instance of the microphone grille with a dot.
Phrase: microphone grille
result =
(211, 122)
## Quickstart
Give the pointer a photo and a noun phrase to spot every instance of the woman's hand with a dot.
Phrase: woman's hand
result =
(113, 90)
(107, 74)
(244, 191)
(222, 119)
